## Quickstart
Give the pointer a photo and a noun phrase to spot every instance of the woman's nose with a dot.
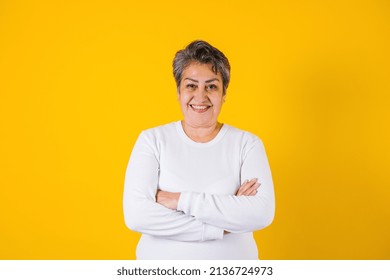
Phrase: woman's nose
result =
(201, 93)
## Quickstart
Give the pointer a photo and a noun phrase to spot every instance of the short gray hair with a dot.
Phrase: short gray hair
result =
(201, 52)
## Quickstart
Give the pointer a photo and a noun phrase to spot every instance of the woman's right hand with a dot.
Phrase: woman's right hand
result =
(248, 188)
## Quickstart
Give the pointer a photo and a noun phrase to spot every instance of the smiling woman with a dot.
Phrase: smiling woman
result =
(201, 97)
(197, 188)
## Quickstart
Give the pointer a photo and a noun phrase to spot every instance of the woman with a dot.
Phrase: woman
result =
(197, 188)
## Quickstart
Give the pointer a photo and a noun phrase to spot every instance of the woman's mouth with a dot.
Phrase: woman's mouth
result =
(200, 108)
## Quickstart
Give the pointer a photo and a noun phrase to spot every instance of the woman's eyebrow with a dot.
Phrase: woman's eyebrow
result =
(212, 80)
(208, 81)
(192, 80)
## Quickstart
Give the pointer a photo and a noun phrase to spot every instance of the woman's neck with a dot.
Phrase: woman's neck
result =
(201, 134)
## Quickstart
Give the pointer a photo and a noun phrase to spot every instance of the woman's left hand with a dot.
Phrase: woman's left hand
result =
(168, 199)
(248, 188)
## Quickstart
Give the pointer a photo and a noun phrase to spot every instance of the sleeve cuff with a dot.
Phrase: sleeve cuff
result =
(184, 202)
(211, 233)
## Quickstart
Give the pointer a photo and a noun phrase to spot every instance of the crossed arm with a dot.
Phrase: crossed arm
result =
(170, 199)
(190, 216)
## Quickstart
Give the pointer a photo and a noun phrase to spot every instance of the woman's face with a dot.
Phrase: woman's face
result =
(200, 95)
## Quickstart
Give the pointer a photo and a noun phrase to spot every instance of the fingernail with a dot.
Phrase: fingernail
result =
(254, 179)
(246, 181)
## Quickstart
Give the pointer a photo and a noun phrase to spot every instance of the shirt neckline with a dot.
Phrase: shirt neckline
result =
(213, 141)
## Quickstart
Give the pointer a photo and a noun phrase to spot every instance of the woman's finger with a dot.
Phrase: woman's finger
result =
(252, 190)
(253, 193)
(246, 186)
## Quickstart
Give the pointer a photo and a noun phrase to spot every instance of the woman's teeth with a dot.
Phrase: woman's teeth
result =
(199, 107)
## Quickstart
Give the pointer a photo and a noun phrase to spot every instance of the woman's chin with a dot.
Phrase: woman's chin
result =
(199, 122)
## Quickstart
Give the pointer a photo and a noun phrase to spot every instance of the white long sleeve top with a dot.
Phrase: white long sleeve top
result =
(207, 175)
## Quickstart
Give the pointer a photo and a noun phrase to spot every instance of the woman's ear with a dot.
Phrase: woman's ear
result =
(223, 98)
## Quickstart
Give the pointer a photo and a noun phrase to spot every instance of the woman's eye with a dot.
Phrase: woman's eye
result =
(212, 87)
(191, 86)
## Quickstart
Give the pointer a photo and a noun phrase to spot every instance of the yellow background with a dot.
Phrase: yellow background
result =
(79, 80)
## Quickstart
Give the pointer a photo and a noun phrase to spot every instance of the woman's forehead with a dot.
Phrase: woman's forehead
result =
(200, 71)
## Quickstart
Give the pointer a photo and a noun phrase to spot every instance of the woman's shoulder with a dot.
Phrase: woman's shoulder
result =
(242, 135)
(243, 140)
(164, 130)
